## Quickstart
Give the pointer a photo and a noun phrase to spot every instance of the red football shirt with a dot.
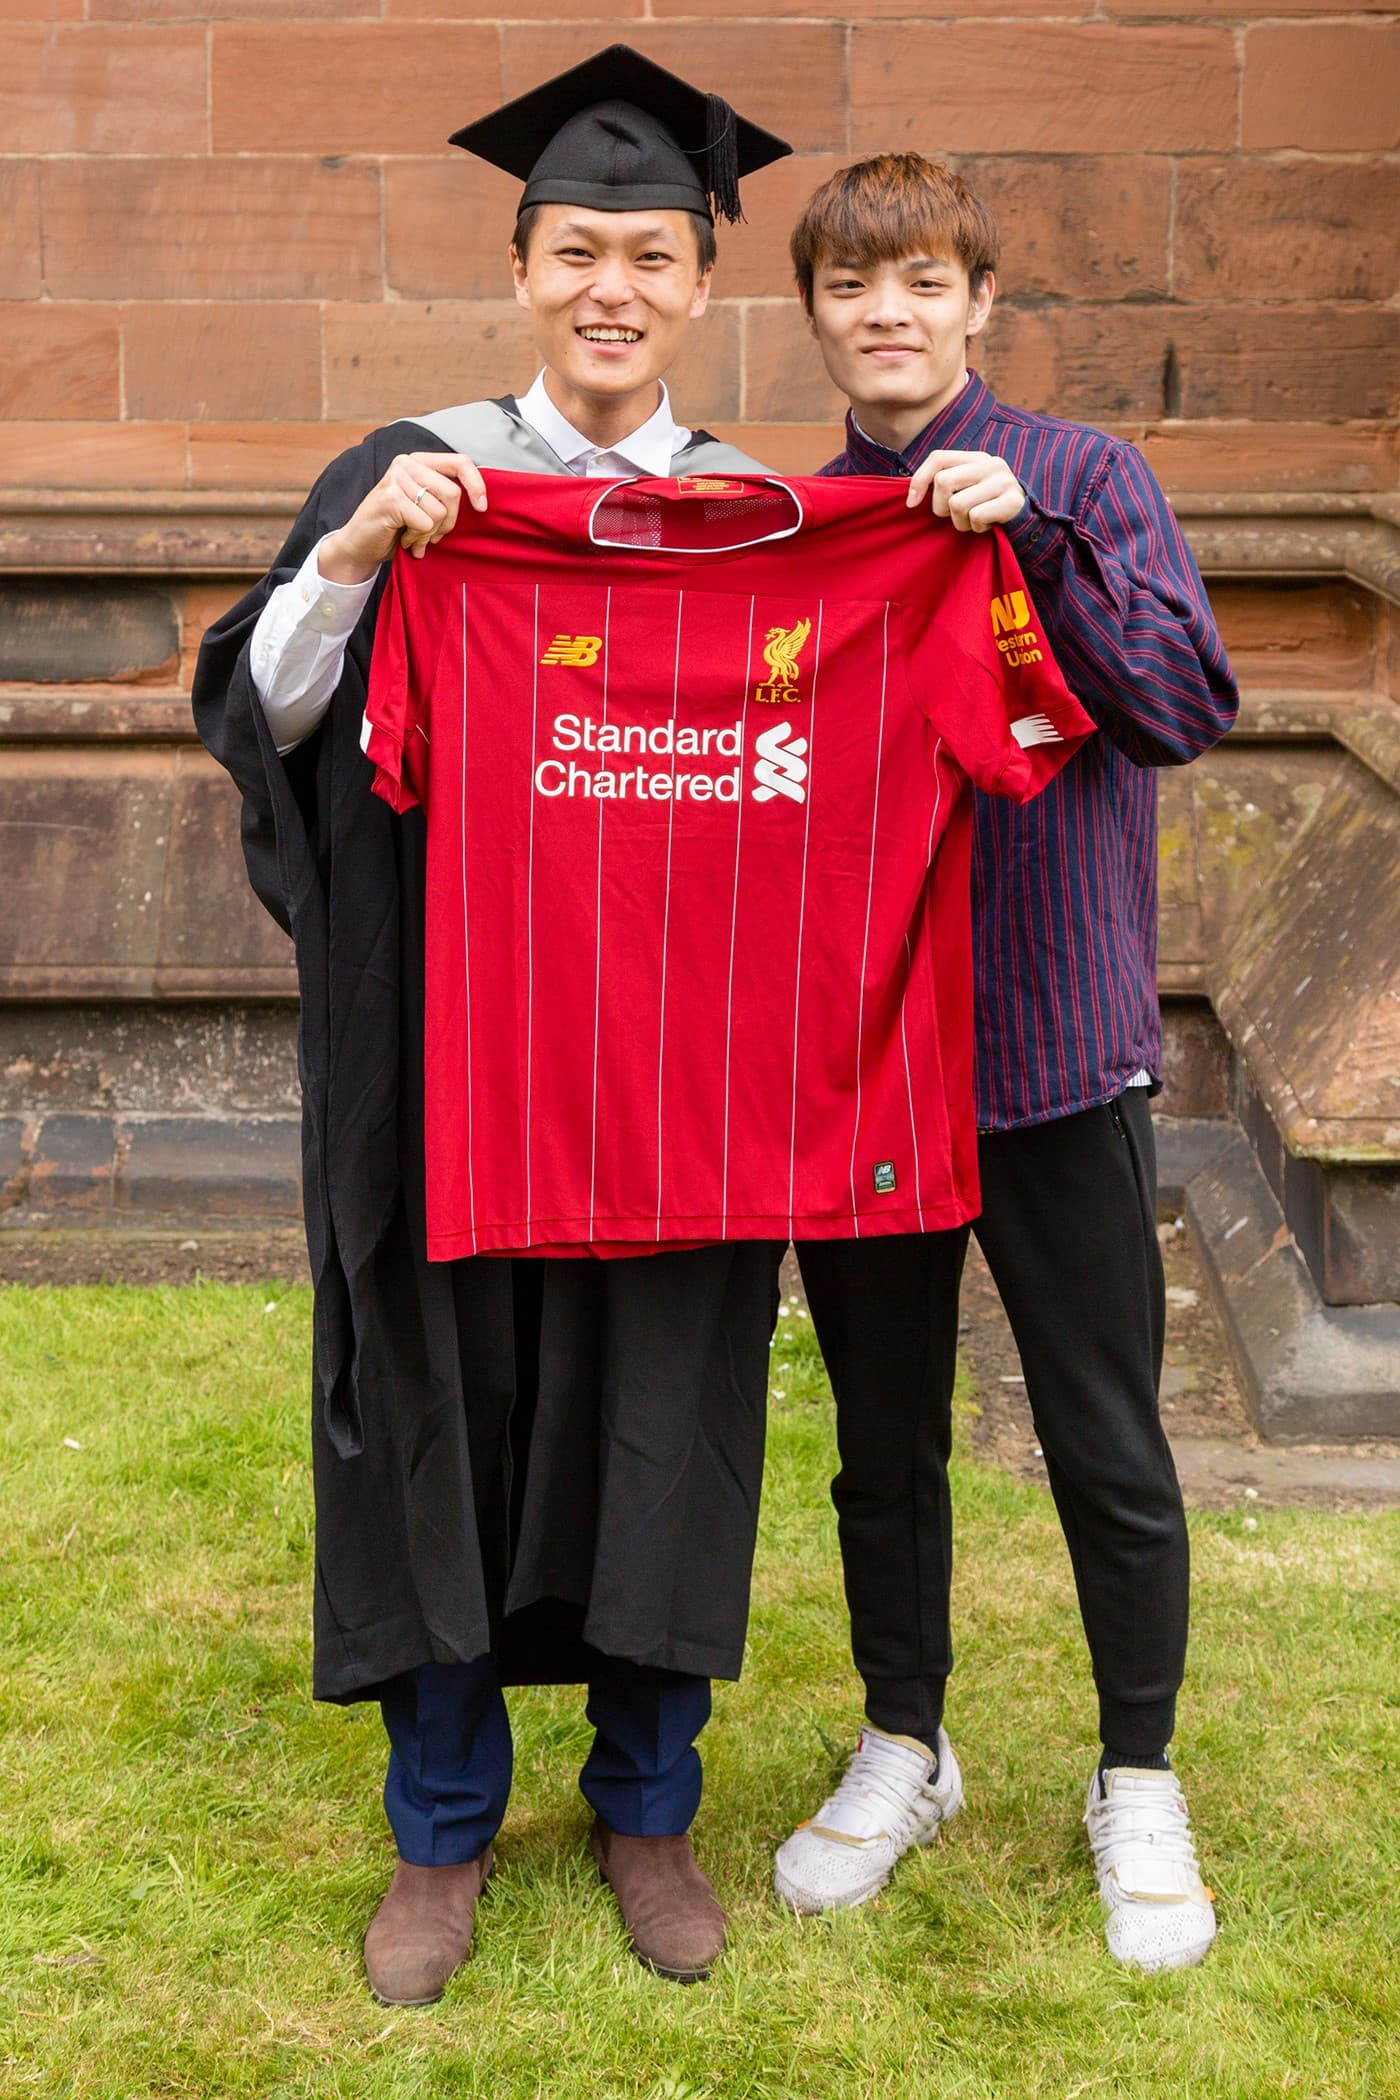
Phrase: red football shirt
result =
(695, 757)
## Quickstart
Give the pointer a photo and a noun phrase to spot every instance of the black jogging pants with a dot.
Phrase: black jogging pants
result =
(1068, 1229)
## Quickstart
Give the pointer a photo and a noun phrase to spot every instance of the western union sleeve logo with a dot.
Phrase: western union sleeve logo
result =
(780, 652)
(577, 649)
(1011, 628)
(1010, 613)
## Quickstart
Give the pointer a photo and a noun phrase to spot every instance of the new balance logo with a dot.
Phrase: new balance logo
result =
(1035, 729)
(1010, 613)
(781, 765)
(577, 649)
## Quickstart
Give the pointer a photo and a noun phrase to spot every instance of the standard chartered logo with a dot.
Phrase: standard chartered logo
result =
(781, 765)
(695, 772)
(594, 762)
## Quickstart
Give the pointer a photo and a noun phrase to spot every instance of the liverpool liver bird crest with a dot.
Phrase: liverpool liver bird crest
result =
(780, 652)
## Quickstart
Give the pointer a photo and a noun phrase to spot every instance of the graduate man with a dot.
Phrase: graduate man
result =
(525, 1470)
(895, 261)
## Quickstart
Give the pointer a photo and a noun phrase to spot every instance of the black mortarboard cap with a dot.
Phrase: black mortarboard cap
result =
(619, 133)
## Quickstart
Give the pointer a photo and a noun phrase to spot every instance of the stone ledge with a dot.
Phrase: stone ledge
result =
(235, 533)
(134, 1171)
(1186, 1146)
(1310, 1371)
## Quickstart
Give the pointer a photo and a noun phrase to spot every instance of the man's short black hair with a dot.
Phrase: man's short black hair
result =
(704, 235)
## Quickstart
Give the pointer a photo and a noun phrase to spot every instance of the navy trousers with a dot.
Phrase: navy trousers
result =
(450, 1755)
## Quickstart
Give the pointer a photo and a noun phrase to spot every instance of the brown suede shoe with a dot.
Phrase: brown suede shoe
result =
(422, 1931)
(672, 1914)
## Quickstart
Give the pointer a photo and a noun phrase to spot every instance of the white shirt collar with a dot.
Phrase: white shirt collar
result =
(649, 450)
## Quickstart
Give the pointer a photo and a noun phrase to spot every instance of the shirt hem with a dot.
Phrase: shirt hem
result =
(1153, 1086)
(612, 1238)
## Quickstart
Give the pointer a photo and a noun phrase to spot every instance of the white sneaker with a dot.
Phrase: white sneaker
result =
(887, 1801)
(1159, 1909)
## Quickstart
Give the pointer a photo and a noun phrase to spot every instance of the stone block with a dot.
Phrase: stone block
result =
(786, 448)
(784, 378)
(12, 1172)
(82, 854)
(788, 76)
(232, 10)
(1093, 363)
(1250, 804)
(1296, 633)
(704, 381)
(447, 222)
(255, 228)
(872, 10)
(1322, 87)
(1079, 227)
(1195, 1062)
(72, 1167)
(1118, 363)
(1287, 361)
(1186, 1146)
(1180, 935)
(58, 361)
(142, 1058)
(1345, 1218)
(753, 258)
(1297, 230)
(1362, 1236)
(61, 632)
(212, 922)
(20, 276)
(1307, 985)
(1041, 87)
(396, 87)
(223, 362)
(200, 605)
(93, 455)
(1233, 454)
(1310, 1372)
(267, 455)
(91, 88)
(188, 1166)
(386, 361)
(623, 13)
(1241, 9)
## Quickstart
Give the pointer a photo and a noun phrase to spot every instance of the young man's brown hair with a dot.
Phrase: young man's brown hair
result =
(895, 205)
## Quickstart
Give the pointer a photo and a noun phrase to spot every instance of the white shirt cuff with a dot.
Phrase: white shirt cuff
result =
(297, 651)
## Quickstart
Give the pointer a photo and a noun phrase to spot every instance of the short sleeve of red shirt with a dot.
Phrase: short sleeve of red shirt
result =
(989, 684)
(396, 733)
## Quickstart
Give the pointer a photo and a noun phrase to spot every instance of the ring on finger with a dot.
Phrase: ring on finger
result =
(424, 491)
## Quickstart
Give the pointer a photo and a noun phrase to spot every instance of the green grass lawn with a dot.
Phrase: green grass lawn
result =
(190, 1850)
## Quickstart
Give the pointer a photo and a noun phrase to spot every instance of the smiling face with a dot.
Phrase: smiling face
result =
(893, 336)
(610, 295)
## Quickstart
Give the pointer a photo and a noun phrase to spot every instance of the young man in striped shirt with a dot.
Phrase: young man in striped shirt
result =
(895, 260)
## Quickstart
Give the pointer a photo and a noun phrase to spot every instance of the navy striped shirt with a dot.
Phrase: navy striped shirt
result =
(1064, 890)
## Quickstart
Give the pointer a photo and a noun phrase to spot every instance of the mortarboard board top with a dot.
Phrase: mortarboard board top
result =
(620, 133)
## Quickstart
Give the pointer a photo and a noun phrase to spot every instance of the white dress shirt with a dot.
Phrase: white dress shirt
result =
(298, 646)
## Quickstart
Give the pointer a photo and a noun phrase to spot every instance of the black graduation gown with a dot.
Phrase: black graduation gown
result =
(525, 1455)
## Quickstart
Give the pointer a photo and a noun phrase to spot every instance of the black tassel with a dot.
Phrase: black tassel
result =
(722, 159)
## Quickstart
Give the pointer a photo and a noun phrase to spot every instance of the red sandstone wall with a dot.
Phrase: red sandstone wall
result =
(231, 236)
